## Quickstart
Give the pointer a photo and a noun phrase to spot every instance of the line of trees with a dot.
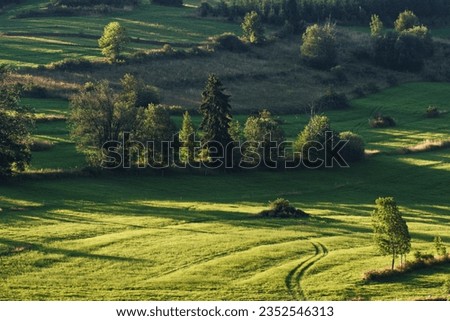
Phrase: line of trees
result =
(99, 115)
(351, 11)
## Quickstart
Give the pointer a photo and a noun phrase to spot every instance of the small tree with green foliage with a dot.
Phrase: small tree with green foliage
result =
(260, 130)
(113, 40)
(319, 47)
(187, 139)
(406, 20)
(312, 139)
(391, 232)
(252, 28)
(376, 26)
(439, 246)
(15, 126)
(142, 94)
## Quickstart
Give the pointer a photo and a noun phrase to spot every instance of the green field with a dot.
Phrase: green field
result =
(186, 236)
(34, 41)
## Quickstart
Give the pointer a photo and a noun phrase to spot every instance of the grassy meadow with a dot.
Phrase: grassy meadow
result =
(194, 237)
(29, 42)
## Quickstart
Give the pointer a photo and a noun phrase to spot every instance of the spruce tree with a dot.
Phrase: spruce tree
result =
(216, 111)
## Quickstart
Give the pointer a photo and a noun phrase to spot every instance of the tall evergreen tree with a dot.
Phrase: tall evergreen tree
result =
(391, 232)
(216, 111)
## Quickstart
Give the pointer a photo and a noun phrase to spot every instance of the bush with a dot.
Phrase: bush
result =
(229, 41)
(338, 73)
(35, 91)
(354, 150)
(332, 101)
(71, 64)
(380, 121)
(432, 112)
(281, 208)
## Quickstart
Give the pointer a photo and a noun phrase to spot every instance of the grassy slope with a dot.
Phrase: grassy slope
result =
(153, 237)
(34, 41)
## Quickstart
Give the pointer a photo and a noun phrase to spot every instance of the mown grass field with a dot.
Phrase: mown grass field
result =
(186, 236)
(34, 41)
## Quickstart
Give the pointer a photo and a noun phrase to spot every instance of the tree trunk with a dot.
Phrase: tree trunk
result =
(393, 260)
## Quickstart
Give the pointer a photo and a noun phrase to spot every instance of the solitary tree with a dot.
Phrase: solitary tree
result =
(391, 232)
(216, 111)
(319, 46)
(15, 125)
(252, 28)
(187, 139)
(376, 26)
(113, 40)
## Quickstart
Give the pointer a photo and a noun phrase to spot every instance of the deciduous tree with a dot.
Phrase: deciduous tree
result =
(113, 40)
(391, 232)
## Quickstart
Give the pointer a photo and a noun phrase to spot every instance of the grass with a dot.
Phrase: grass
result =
(141, 238)
(185, 236)
(30, 42)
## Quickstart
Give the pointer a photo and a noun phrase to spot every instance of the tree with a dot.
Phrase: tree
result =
(439, 246)
(113, 40)
(98, 116)
(216, 111)
(260, 131)
(354, 150)
(187, 139)
(155, 126)
(376, 26)
(15, 125)
(406, 20)
(142, 94)
(391, 232)
(252, 28)
(319, 46)
(312, 141)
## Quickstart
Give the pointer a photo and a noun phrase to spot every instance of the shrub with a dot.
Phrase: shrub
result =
(332, 101)
(354, 150)
(432, 112)
(229, 41)
(71, 64)
(35, 91)
(380, 121)
(281, 208)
